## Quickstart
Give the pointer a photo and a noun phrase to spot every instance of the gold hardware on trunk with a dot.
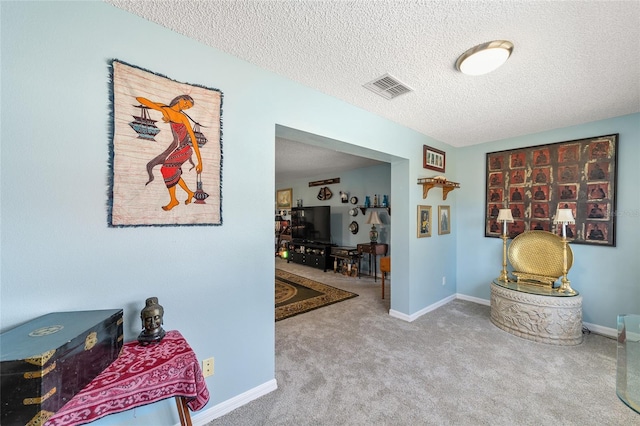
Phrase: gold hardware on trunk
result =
(40, 400)
(38, 374)
(90, 341)
(40, 418)
(41, 359)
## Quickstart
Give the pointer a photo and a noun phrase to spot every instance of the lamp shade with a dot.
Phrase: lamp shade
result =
(564, 216)
(485, 57)
(374, 219)
(505, 216)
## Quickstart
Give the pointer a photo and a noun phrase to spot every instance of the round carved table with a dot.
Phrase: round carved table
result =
(537, 313)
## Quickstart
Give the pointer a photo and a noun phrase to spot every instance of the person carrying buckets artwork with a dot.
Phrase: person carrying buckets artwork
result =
(180, 150)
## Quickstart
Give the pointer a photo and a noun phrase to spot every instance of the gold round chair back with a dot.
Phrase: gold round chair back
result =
(539, 254)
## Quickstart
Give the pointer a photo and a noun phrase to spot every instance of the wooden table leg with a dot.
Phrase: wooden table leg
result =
(383, 274)
(375, 271)
(183, 411)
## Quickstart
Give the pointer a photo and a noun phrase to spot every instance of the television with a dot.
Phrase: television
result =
(311, 224)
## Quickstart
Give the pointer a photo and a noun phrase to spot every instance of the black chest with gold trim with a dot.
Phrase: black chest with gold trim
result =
(46, 361)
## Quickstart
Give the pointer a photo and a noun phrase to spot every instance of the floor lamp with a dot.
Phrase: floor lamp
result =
(565, 216)
(505, 217)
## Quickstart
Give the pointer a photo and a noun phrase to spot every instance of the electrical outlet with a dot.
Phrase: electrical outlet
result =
(444, 280)
(207, 367)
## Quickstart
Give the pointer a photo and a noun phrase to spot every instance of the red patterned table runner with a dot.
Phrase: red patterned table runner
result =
(141, 375)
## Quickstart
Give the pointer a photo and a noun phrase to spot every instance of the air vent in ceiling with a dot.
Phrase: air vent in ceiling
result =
(388, 87)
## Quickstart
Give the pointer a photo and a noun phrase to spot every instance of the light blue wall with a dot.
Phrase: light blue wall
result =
(607, 277)
(215, 283)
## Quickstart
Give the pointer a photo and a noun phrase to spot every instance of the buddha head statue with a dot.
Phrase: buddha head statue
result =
(152, 320)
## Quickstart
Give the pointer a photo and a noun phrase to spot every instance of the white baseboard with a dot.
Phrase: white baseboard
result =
(605, 331)
(473, 299)
(413, 317)
(229, 405)
(399, 315)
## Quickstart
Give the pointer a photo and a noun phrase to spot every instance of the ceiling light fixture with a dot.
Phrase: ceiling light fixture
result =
(485, 57)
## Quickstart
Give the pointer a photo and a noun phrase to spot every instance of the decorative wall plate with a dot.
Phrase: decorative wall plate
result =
(353, 227)
(354, 200)
(353, 212)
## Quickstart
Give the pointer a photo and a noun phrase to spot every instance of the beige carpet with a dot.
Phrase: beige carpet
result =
(352, 364)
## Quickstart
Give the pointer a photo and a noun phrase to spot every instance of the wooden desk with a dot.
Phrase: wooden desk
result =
(375, 249)
(141, 375)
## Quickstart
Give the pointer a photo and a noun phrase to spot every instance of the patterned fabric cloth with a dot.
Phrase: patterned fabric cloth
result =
(141, 375)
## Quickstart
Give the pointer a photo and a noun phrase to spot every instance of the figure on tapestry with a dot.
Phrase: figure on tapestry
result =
(182, 147)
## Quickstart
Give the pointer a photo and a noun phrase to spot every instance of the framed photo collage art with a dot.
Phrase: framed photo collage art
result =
(535, 181)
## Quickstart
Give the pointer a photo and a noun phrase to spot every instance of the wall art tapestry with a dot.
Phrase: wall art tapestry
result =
(534, 182)
(166, 151)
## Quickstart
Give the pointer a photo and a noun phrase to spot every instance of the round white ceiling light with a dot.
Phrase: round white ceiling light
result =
(485, 57)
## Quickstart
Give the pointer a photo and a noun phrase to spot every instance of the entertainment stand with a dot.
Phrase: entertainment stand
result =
(316, 255)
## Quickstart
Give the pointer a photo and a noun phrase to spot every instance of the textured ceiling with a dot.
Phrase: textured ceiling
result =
(295, 160)
(573, 62)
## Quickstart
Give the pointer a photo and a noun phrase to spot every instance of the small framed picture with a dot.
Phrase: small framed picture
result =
(433, 159)
(424, 221)
(444, 220)
(283, 198)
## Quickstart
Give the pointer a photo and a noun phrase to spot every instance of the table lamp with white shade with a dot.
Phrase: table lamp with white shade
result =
(374, 220)
(504, 216)
(565, 217)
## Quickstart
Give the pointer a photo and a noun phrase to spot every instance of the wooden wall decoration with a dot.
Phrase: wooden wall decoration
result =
(535, 181)
(324, 182)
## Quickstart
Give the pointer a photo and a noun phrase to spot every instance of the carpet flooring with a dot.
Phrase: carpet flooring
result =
(296, 295)
(352, 364)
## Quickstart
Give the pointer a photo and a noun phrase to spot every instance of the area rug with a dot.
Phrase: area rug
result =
(296, 295)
